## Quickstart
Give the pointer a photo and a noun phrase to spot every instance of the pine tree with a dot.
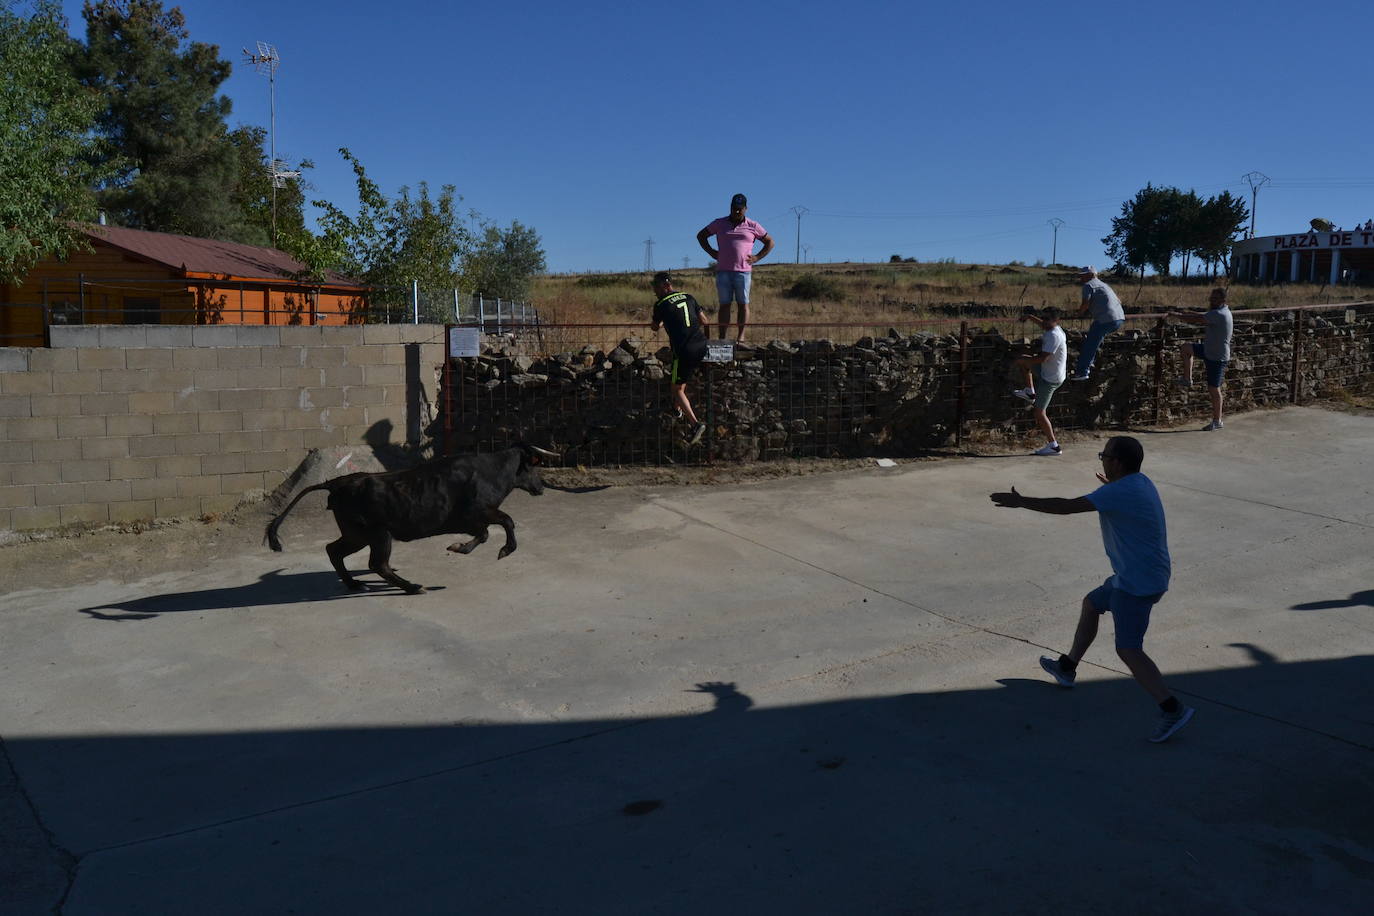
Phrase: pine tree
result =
(164, 119)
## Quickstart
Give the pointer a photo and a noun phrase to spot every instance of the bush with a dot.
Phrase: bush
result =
(815, 286)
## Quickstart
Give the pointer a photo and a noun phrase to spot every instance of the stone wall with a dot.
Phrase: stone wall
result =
(124, 423)
(892, 395)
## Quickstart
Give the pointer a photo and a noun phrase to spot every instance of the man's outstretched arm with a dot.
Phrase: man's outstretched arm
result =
(1051, 505)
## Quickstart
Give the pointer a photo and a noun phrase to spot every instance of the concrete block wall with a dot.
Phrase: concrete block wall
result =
(122, 423)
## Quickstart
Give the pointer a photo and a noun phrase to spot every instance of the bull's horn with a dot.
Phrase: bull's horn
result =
(545, 452)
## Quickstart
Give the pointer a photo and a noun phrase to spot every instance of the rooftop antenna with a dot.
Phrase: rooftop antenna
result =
(266, 61)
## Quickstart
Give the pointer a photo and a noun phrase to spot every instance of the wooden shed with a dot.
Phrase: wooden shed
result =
(135, 277)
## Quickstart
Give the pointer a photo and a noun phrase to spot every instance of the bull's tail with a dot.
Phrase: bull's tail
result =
(271, 534)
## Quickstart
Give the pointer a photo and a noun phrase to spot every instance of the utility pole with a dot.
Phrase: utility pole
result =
(1256, 180)
(1054, 250)
(649, 254)
(806, 250)
(799, 210)
(685, 261)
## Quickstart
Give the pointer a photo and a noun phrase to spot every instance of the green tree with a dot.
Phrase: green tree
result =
(504, 261)
(1153, 227)
(253, 197)
(164, 118)
(47, 153)
(392, 243)
(1220, 220)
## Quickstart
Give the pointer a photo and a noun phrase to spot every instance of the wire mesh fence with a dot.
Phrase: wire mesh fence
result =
(601, 393)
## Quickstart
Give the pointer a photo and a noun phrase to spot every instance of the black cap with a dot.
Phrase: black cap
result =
(739, 200)
(663, 277)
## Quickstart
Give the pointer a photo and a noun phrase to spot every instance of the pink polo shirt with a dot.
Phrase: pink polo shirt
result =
(735, 243)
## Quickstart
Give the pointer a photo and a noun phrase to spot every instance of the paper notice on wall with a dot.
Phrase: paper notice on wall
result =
(464, 342)
(886, 463)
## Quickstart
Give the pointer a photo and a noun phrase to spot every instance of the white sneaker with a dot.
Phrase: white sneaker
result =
(1078, 376)
(1025, 394)
(1048, 450)
(1214, 425)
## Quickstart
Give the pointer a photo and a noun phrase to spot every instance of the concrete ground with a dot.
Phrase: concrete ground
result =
(814, 695)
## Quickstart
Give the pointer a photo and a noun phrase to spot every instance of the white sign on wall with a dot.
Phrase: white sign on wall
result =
(720, 351)
(464, 342)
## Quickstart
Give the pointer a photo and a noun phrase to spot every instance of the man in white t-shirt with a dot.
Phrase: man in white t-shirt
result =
(1044, 373)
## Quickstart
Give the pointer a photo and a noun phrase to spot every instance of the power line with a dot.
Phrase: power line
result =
(1054, 249)
(1256, 180)
(799, 210)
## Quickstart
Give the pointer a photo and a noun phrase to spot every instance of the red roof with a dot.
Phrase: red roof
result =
(208, 256)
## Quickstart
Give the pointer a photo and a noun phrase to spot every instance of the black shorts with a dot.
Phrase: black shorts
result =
(685, 364)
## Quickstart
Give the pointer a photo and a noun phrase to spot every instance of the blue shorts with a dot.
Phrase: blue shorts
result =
(1216, 368)
(733, 284)
(1130, 613)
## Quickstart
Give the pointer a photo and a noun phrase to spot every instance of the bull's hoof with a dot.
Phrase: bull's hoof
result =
(505, 552)
(413, 589)
(355, 586)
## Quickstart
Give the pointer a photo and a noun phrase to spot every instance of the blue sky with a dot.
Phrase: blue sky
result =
(927, 130)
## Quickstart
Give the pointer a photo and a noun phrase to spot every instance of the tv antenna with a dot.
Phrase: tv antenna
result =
(266, 61)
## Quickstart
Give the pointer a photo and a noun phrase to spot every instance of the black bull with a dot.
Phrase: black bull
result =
(458, 495)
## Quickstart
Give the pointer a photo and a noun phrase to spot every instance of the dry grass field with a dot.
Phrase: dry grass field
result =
(900, 293)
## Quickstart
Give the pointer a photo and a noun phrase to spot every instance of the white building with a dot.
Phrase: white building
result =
(1310, 257)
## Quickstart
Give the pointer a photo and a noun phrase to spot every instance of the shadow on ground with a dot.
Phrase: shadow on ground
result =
(1017, 798)
(276, 587)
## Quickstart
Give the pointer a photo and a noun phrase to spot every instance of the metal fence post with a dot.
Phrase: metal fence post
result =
(415, 299)
(1159, 370)
(482, 313)
(1297, 357)
(963, 384)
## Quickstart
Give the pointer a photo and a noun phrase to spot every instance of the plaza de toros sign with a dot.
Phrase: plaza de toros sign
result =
(1356, 238)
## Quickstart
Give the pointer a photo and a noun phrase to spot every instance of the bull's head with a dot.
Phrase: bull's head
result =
(527, 476)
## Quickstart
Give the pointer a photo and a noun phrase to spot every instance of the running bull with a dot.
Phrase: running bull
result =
(457, 495)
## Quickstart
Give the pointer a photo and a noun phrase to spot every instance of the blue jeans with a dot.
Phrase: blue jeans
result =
(733, 284)
(1096, 331)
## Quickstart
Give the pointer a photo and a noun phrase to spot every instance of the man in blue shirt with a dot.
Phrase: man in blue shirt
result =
(1133, 533)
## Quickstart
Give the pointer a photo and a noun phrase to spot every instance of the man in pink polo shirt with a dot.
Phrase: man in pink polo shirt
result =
(735, 236)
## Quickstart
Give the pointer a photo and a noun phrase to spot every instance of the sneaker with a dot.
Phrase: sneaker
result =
(1078, 376)
(675, 414)
(1025, 394)
(1215, 424)
(1048, 450)
(1184, 381)
(1065, 678)
(697, 432)
(1172, 722)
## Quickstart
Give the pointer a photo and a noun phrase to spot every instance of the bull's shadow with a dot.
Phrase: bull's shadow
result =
(1363, 598)
(275, 587)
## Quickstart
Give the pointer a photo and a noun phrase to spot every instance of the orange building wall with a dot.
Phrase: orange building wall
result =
(104, 285)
